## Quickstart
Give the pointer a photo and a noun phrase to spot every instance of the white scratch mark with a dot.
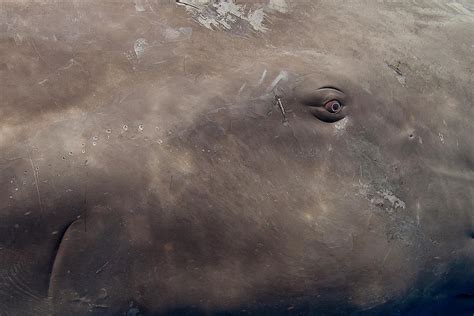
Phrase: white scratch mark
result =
(35, 176)
(459, 8)
(386, 255)
(242, 88)
(418, 210)
(264, 73)
(160, 62)
(151, 8)
(39, 55)
(19, 39)
(283, 75)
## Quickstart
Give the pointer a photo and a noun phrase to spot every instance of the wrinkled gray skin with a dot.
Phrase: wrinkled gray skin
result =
(146, 167)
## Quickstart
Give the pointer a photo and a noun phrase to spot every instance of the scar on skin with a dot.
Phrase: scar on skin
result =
(282, 110)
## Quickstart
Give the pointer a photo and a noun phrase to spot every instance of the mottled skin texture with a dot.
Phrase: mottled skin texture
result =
(165, 179)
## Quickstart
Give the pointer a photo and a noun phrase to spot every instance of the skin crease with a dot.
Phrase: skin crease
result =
(168, 181)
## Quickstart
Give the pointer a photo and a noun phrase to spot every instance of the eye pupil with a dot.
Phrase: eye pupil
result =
(333, 106)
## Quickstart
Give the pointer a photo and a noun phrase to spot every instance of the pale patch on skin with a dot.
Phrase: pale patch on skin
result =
(402, 80)
(139, 6)
(140, 46)
(340, 126)
(308, 217)
(392, 198)
(256, 19)
(225, 15)
(178, 34)
(278, 5)
(368, 192)
(7, 132)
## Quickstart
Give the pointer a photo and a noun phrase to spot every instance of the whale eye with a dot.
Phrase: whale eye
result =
(328, 104)
(333, 106)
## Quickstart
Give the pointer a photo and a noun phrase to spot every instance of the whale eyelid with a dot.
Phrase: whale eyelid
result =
(330, 87)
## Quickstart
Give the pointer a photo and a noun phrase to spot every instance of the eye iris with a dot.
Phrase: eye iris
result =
(333, 106)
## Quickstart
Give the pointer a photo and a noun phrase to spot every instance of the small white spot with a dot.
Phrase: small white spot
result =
(441, 137)
(159, 141)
